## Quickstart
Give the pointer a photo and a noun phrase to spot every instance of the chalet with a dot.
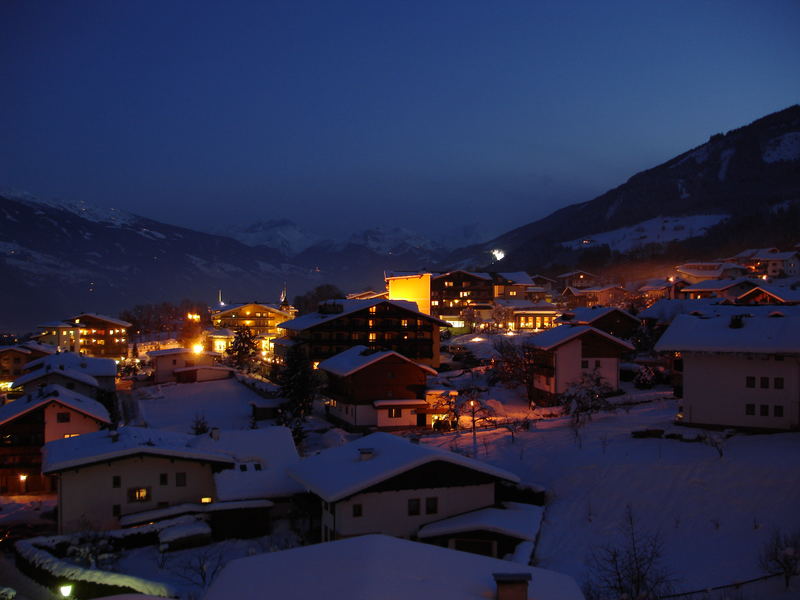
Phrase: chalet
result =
(383, 483)
(451, 292)
(368, 295)
(527, 315)
(381, 389)
(738, 370)
(66, 337)
(261, 319)
(102, 336)
(769, 261)
(26, 424)
(563, 354)
(577, 279)
(614, 321)
(103, 371)
(512, 286)
(728, 289)
(545, 283)
(12, 358)
(659, 289)
(186, 365)
(72, 379)
(379, 566)
(702, 271)
(770, 294)
(378, 324)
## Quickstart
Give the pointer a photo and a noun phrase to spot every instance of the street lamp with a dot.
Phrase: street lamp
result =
(473, 407)
(65, 590)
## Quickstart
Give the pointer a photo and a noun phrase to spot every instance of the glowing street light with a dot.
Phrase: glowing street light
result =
(65, 590)
(498, 254)
(197, 348)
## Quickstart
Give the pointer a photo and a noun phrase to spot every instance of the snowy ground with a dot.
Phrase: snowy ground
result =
(713, 513)
(224, 404)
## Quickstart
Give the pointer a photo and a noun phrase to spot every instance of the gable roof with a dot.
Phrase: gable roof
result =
(112, 320)
(232, 307)
(588, 315)
(557, 336)
(784, 294)
(518, 277)
(758, 335)
(97, 367)
(350, 306)
(58, 394)
(178, 351)
(103, 446)
(571, 273)
(337, 473)
(73, 374)
(379, 566)
(717, 285)
(471, 273)
(356, 358)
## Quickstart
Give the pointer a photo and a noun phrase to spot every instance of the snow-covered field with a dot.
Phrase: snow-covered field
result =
(713, 513)
(224, 404)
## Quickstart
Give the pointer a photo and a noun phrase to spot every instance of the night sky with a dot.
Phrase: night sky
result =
(345, 115)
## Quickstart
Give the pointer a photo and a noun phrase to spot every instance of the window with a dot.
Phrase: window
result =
(403, 322)
(257, 466)
(69, 435)
(116, 510)
(778, 383)
(141, 494)
(750, 381)
(434, 303)
(243, 467)
(395, 413)
(584, 364)
(763, 410)
(371, 323)
(596, 364)
(431, 506)
(777, 410)
(163, 479)
(512, 293)
(116, 481)
(358, 510)
(750, 409)
(373, 337)
(373, 310)
(62, 417)
(778, 357)
(174, 362)
(448, 284)
(413, 507)
(464, 294)
(180, 479)
(764, 383)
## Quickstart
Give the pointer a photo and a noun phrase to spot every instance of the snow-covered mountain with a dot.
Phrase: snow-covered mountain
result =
(283, 235)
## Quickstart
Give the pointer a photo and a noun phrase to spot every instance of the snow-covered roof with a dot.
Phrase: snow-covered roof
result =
(285, 342)
(399, 402)
(73, 374)
(204, 368)
(337, 473)
(351, 306)
(112, 320)
(221, 332)
(233, 307)
(717, 285)
(54, 393)
(356, 358)
(588, 315)
(540, 276)
(103, 446)
(758, 335)
(177, 351)
(176, 510)
(472, 273)
(754, 252)
(39, 347)
(379, 566)
(666, 309)
(97, 367)
(552, 338)
(404, 274)
(516, 520)
(530, 305)
(57, 325)
(784, 294)
(19, 349)
(271, 447)
(571, 273)
(767, 255)
(519, 277)
(712, 270)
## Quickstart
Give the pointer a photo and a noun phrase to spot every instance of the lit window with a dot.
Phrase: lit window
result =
(373, 310)
(69, 435)
(373, 337)
(463, 294)
(448, 284)
(434, 303)
(395, 413)
(139, 494)
(512, 293)
(371, 323)
(404, 323)
(206, 500)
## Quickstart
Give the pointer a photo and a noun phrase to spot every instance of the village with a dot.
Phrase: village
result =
(507, 427)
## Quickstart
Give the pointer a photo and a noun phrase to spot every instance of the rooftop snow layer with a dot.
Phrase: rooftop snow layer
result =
(378, 566)
(73, 374)
(97, 367)
(562, 334)
(54, 393)
(516, 520)
(112, 320)
(340, 472)
(351, 306)
(589, 315)
(761, 335)
(356, 358)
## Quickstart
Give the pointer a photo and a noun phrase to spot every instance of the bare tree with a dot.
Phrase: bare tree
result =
(585, 397)
(515, 364)
(201, 566)
(780, 555)
(631, 570)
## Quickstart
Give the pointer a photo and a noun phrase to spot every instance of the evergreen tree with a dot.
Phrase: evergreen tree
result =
(299, 384)
(244, 349)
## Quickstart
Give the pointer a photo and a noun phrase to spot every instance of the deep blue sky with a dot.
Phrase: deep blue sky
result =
(346, 115)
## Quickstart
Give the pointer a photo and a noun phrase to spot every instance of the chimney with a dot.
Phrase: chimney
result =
(214, 433)
(366, 454)
(511, 586)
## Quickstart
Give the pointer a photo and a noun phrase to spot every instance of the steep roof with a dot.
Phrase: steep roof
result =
(571, 273)
(356, 358)
(516, 520)
(717, 285)
(337, 473)
(232, 307)
(378, 566)
(351, 306)
(588, 315)
(178, 351)
(557, 336)
(73, 374)
(784, 294)
(58, 394)
(112, 320)
(758, 335)
(96, 367)
(102, 446)
(472, 273)
(518, 277)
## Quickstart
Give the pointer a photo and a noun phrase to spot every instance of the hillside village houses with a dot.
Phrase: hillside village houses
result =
(91, 334)
(187, 365)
